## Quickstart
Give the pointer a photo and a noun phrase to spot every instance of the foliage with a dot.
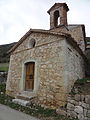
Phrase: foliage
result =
(4, 67)
(87, 39)
(82, 81)
(4, 56)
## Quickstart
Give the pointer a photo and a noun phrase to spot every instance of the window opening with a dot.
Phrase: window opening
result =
(56, 18)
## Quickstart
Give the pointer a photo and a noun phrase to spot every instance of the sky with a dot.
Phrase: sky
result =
(18, 16)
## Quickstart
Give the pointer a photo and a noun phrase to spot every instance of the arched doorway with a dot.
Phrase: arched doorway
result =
(29, 78)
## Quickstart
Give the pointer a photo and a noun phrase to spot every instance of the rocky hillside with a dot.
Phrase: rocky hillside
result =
(4, 56)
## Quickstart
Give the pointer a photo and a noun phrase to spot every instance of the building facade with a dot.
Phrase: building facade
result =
(44, 64)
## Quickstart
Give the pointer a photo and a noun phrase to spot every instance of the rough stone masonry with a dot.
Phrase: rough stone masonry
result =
(57, 57)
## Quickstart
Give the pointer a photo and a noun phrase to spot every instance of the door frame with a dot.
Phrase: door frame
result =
(36, 79)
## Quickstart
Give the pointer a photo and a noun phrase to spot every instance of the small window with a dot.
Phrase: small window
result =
(58, 21)
(32, 43)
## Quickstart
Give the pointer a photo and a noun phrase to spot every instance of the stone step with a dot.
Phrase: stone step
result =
(24, 97)
(21, 102)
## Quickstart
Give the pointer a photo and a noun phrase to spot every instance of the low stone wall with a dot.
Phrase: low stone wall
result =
(78, 106)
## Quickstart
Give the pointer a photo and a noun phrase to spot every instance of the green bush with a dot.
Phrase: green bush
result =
(82, 81)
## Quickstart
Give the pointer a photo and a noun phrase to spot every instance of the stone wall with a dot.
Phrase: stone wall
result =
(56, 65)
(74, 66)
(76, 31)
(48, 55)
(78, 106)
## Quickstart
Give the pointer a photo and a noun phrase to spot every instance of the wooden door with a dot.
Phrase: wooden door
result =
(29, 83)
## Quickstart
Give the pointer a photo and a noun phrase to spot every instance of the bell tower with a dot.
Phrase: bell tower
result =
(58, 15)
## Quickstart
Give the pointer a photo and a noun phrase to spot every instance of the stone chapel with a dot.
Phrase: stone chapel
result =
(44, 64)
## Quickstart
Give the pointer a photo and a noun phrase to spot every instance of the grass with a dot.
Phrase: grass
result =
(34, 110)
(82, 81)
(4, 67)
(4, 55)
